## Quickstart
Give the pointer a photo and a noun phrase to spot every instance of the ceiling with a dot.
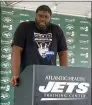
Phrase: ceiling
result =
(76, 8)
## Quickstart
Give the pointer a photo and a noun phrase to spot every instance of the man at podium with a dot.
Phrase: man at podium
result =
(38, 42)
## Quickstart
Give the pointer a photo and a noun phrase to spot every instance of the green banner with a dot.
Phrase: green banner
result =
(77, 32)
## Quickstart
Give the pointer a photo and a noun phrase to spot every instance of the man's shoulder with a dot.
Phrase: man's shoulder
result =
(27, 22)
(54, 26)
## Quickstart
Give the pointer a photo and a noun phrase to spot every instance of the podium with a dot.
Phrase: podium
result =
(54, 85)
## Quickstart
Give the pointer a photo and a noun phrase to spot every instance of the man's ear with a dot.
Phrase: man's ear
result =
(50, 18)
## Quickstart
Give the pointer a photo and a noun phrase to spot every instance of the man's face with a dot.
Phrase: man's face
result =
(43, 19)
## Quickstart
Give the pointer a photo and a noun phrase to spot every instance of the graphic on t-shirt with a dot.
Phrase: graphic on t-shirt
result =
(43, 41)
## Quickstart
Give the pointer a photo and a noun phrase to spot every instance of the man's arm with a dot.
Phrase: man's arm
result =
(16, 59)
(62, 47)
(15, 63)
(17, 47)
(63, 58)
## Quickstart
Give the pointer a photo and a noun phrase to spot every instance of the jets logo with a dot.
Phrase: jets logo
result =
(4, 96)
(7, 19)
(69, 27)
(70, 40)
(6, 49)
(5, 64)
(6, 34)
(5, 80)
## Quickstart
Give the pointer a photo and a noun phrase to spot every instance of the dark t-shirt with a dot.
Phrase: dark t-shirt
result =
(39, 47)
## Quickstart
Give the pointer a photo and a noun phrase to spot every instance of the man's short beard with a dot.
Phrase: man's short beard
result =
(41, 28)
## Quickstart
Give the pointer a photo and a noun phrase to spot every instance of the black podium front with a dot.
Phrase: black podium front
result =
(52, 85)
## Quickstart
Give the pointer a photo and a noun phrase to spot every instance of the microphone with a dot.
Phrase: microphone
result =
(48, 56)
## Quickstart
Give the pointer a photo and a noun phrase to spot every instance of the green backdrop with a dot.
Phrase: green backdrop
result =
(77, 32)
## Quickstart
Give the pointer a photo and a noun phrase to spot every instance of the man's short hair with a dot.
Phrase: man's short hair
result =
(44, 8)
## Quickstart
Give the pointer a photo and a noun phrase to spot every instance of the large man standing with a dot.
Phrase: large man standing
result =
(37, 42)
